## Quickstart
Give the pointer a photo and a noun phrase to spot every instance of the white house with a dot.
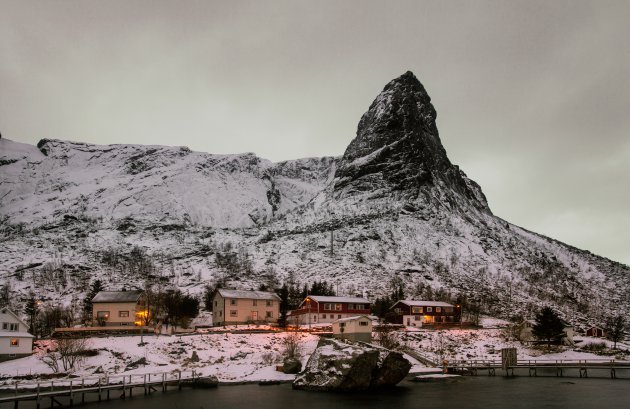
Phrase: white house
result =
(15, 341)
(357, 328)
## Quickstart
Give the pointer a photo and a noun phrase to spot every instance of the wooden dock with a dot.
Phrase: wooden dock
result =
(559, 368)
(73, 391)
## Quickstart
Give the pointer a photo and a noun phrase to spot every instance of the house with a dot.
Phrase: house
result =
(526, 335)
(357, 328)
(320, 309)
(15, 341)
(417, 313)
(596, 332)
(243, 307)
(119, 308)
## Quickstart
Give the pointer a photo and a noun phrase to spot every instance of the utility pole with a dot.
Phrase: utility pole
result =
(332, 252)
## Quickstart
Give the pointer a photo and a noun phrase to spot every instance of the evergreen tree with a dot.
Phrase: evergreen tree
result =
(283, 293)
(31, 309)
(548, 326)
(97, 286)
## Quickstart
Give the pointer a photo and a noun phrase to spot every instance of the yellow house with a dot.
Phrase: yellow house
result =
(241, 307)
(119, 308)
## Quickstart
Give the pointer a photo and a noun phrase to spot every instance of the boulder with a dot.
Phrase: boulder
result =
(342, 366)
(291, 366)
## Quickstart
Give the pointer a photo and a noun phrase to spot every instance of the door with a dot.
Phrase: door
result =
(254, 315)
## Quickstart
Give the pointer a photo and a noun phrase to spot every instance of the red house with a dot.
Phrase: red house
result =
(595, 332)
(316, 309)
(417, 313)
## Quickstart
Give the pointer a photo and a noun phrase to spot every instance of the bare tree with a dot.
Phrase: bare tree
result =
(66, 353)
(386, 336)
(292, 345)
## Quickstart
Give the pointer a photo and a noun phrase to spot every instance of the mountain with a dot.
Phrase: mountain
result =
(393, 210)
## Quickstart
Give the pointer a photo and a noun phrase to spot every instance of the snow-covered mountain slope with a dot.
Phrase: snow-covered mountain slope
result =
(393, 208)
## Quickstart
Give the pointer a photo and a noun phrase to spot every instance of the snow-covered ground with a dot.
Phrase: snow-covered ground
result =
(251, 357)
(228, 356)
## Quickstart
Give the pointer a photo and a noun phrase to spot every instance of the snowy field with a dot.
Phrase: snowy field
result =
(235, 357)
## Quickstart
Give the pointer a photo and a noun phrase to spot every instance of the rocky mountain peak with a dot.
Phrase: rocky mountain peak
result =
(398, 149)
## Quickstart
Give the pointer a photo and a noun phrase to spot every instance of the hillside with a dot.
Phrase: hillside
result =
(395, 206)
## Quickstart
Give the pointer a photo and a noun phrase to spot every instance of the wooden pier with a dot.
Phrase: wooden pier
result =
(73, 391)
(558, 368)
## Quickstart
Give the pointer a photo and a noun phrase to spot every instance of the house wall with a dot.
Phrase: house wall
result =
(114, 312)
(317, 314)
(25, 344)
(403, 314)
(243, 311)
(352, 330)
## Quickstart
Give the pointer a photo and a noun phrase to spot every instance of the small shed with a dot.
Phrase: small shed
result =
(596, 332)
(356, 328)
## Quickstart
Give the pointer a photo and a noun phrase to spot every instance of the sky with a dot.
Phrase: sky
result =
(533, 97)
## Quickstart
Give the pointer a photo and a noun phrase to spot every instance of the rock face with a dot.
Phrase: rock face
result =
(398, 150)
(339, 366)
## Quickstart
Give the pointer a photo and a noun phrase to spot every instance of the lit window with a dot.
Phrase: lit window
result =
(233, 313)
(337, 307)
(102, 314)
(438, 309)
(416, 310)
(15, 342)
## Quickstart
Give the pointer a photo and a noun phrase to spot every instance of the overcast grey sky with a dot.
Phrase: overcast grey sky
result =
(533, 97)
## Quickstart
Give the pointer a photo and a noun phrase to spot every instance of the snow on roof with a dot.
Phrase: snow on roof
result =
(15, 334)
(324, 298)
(255, 295)
(117, 296)
(353, 318)
(421, 303)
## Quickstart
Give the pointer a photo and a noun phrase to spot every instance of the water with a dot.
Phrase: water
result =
(464, 393)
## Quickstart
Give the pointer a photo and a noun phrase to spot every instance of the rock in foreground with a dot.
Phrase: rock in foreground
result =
(339, 366)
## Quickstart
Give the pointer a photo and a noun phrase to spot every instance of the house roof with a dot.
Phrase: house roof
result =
(14, 315)
(15, 334)
(325, 298)
(422, 303)
(253, 295)
(117, 296)
(353, 318)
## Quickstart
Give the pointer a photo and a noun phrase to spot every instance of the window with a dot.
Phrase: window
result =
(254, 302)
(363, 323)
(328, 307)
(232, 302)
(15, 342)
(269, 314)
(123, 314)
(339, 316)
(5, 325)
(324, 316)
(342, 325)
(358, 307)
(438, 309)
(102, 314)
(314, 318)
(397, 310)
(429, 309)
(13, 327)
(216, 303)
(233, 313)
(417, 318)
(416, 310)
(269, 303)
(448, 309)
(337, 307)
(220, 313)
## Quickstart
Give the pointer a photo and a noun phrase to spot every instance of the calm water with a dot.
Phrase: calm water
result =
(464, 393)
